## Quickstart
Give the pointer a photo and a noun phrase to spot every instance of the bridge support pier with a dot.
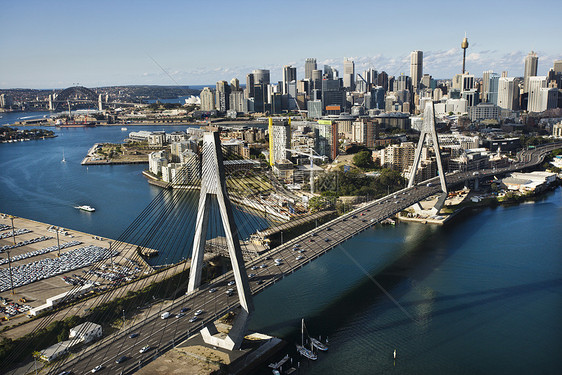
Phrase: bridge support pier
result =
(428, 130)
(213, 185)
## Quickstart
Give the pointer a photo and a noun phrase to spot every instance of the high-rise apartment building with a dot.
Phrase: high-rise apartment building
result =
(222, 96)
(416, 68)
(531, 65)
(309, 66)
(279, 141)
(508, 93)
(234, 84)
(348, 74)
(207, 97)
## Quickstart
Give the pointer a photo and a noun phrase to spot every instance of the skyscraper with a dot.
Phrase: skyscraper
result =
(279, 140)
(416, 68)
(508, 93)
(289, 75)
(348, 74)
(309, 66)
(534, 85)
(222, 98)
(531, 64)
(261, 76)
(207, 99)
(316, 80)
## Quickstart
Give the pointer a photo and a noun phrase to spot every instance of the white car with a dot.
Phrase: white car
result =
(97, 368)
(198, 312)
(144, 349)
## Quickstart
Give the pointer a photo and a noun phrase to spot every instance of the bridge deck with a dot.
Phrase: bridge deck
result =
(163, 334)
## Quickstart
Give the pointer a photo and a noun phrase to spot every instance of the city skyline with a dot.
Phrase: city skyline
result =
(61, 43)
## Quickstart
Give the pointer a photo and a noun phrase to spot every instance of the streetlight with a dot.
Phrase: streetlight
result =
(58, 242)
(10, 268)
(123, 318)
(13, 231)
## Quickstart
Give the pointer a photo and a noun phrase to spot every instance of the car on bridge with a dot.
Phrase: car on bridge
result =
(144, 349)
(212, 290)
(121, 359)
(193, 319)
(231, 283)
(97, 368)
(133, 335)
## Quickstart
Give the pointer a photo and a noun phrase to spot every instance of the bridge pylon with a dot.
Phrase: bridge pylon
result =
(213, 185)
(428, 130)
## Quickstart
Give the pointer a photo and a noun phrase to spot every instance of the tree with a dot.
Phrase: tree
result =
(363, 159)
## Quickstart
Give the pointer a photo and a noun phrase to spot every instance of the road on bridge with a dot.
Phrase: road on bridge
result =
(190, 313)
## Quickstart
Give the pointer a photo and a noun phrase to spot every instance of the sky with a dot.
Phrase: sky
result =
(59, 43)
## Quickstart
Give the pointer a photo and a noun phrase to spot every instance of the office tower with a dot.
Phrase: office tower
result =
(531, 64)
(382, 80)
(250, 86)
(316, 82)
(348, 74)
(402, 83)
(464, 46)
(330, 72)
(508, 93)
(377, 97)
(534, 85)
(207, 99)
(234, 84)
(332, 94)
(289, 75)
(292, 95)
(557, 68)
(492, 87)
(309, 66)
(549, 98)
(222, 96)
(416, 68)
(485, 84)
(279, 141)
(467, 82)
(504, 73)
(426, 82)
(261, 76)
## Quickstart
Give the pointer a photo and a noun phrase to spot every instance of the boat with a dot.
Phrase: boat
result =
(305, 352)
(123, 129)
(63, 158)
(86, 208)
(318, 344)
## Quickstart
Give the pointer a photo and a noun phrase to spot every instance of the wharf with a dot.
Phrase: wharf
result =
(38, 292)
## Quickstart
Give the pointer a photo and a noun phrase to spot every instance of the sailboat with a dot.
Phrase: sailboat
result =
(319, 344)
(308, 353)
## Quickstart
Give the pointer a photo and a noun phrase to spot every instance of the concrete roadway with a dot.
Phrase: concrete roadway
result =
(162, 334)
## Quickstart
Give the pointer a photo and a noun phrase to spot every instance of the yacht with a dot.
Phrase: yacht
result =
(305, 352)
(86, 208)
(318, 344)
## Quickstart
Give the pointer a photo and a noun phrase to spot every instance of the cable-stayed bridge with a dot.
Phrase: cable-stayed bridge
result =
(173, 224)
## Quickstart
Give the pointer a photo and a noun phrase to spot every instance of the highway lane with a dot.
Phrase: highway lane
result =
(162, 334)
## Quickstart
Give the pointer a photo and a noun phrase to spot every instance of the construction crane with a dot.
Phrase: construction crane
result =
(311, 155)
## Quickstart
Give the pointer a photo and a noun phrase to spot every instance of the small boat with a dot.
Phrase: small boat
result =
(305, 352)
(123, 129)
(318, 344)
(63, 158)
(86, 208)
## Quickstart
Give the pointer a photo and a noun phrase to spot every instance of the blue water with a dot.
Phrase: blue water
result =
(480, 295)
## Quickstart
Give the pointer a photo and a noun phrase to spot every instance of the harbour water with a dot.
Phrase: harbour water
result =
(480, 295)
